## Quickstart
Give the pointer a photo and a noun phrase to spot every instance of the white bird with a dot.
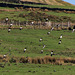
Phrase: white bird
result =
(25, 50)
(11, 24)
(40, 39)
(41, 51)
(60, 36)
(46, 19)
(44, 46)
(20, 28)
(4, 56)
(73, 30)
(6, 19)
(52, 28)
(59, 42)
(9, 30)
(32, 23)
(51, 53)
(48, 32)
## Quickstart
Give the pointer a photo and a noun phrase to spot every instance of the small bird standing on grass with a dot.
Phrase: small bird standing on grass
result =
(9, 29)
(44, 46)
(48, 33)
(60, 36)
(32, 23)
(11, 25)
(51, 53)
(40, 39)
(25, 50)
(6, 20)
(73, 29)
(4, 56)
(59, 42)
(52, 28)
(21, 28)
(41, 51)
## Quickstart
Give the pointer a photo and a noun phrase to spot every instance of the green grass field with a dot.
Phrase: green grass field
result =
(37, 69)
(15, 15)
(14, 42)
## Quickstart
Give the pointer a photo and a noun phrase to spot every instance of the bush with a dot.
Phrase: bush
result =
(69, 28)
(23, 60)
(12, 60)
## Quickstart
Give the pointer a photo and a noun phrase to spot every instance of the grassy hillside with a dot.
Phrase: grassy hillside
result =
(13, 43)
(26, 14)
(36, 14)
(38, 69)
(49, 2)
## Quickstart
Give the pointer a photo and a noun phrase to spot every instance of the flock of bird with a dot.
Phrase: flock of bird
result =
(48, 33)
(40, 40)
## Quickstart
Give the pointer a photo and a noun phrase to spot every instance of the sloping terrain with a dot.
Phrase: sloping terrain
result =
(53, 9)
(49, 2)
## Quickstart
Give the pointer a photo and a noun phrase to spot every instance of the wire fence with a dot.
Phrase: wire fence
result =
(38, 24)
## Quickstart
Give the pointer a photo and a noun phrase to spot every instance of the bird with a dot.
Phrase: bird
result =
(6, 20)
(32, 23)
(73, 29)
(48, 33)
(59, 42)
(60, 36)
(44, 46)
(41, 51)
(4, 56)
(46, 19)
(20, 28)
(51, 53)
(11, 24)
(40, 39)
(52, 28)
(25, 50)
(9, 29)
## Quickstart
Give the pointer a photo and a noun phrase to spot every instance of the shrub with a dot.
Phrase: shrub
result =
(4, 60)
(23, 60)
(1, 57)
(69, 28)
(12, 60)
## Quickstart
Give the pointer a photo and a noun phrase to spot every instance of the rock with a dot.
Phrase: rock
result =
(34, 71)
(54, 70)
(29, 71)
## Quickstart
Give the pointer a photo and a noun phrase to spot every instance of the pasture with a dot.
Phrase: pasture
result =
(20, 14)
(37, 69)
(14, 42)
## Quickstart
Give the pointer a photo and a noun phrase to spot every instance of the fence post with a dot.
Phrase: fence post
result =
(16, 23)
(62, 25)
(68, 24)
(19, 22)
(39, 24)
